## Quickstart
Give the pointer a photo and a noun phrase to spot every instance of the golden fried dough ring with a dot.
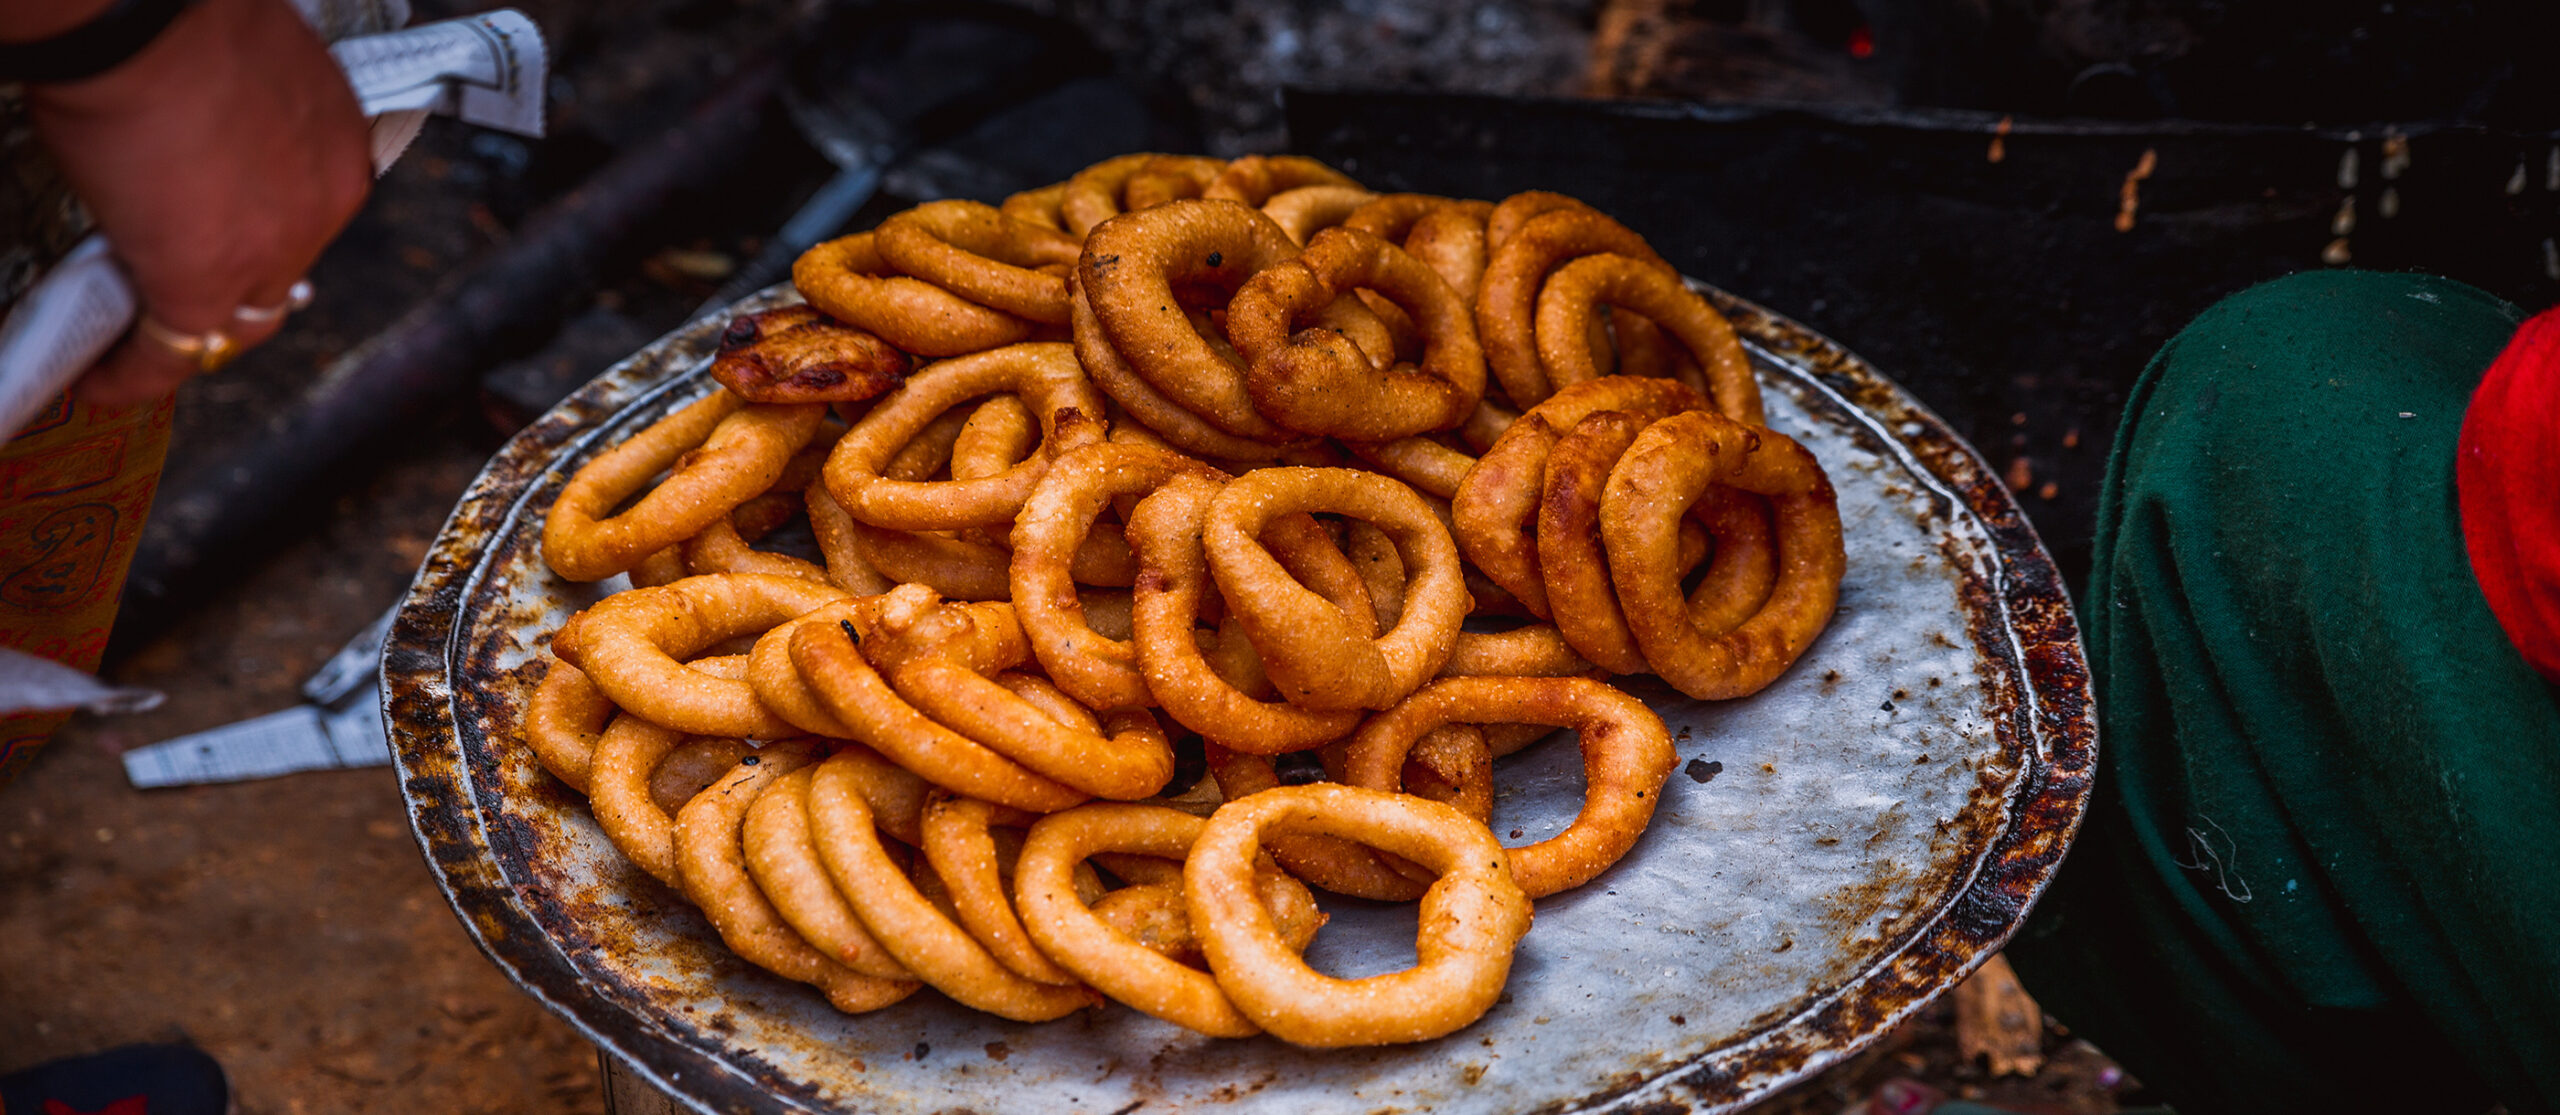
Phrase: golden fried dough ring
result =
(1309, 645)
(1669, 467)
(1129, 272)
(1506, 303)
(998, 435)
(922, 938)
(979, 253)
(1054, 522)
(1044, 375)
(1172, 575)
(1505, 219)
(620, 787)
(847, 569)
(1110, 187)
(1626, 756)
(1573, 568)
(1256, 179)
(1308, 210)
(1040, 207)
(784, 863)
(1326, 862)
(1496, 508)
(960, 843)
(1450, 240)
(1133, 761)
(794, 354)
(849, 280)
(629, 643)
(562, 722)
(1159, 415)
(1071, 933)
(777, 682)
(723, 453)
(1431, 467)
(714, 869)
(851, 689)
(1472, 918)
(1534, 650)
(1569, 304)
(1316, 381)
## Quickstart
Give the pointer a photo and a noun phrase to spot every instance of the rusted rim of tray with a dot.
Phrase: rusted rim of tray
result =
(2025, 593)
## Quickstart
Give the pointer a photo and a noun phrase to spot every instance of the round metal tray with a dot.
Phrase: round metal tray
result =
(1835, 851)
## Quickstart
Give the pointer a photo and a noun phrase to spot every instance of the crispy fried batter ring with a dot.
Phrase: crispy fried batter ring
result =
(1172, 575)
(1155, 412)
(1256, 179)
(853, 690)
(562, 722)
(922, 938)
(847, 569)
(1134, 971)
(1450, 240)
(1496, 508)
(1133, 761)
(960, 843)
(620, 784)
(1310, 646)
(1569, 305)
(1506, 303)
(1129, 272)
(1045, 376)
(1317, 381)
(1041, 207)
(1054, 522)
(1326, 862)
(629, 643)
(784, 863)
(1472, 918)
(795, 354)
(979, 253)
(849, 280)
(1115, 186)
(1308, 210)
(1669, 467)
(1626, 755)
(723, 453)
(714, 869)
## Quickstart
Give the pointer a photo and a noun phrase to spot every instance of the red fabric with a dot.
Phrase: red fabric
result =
(2507, 471)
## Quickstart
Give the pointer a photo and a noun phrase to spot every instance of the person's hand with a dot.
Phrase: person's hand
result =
(219, 161)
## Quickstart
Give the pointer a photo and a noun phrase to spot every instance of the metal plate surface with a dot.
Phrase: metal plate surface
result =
(1835, 851)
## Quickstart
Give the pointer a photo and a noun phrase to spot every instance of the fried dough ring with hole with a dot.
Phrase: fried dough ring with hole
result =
(1669, 467)
(853, 690)
(1151, 409)
(899, 916)
(1472, 918)
(629, 643)
(1315, 381)
(714, 868)
(723, 453)
(777, 682)
(1496, 509)
(1173, 575)
(1325, 862)
(1103, 191)
(784, 863)
(725, 546)
(562, 722)
(959, 841)
(1133, 761)
(1570, 301)
(1506, 217)
(1308, 210)
(1129, 272)
(977, 252)
(1044, 375)
(795, 354)
(1450, 241)
(1040, 207)
(1054, 522)
(1256, 179)
(1079, 939)
(1309, 645)
(619, 787)
(1626, 756)
(1506, 302)
(849, 280)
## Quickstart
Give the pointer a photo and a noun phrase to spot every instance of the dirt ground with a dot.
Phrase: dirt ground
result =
(289, 926)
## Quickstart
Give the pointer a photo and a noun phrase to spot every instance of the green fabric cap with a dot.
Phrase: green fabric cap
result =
(2322, 869)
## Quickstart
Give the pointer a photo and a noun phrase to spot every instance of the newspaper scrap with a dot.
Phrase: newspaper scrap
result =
(487, 69)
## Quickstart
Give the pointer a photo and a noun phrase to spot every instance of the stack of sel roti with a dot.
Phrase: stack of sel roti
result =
(1190, 536)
